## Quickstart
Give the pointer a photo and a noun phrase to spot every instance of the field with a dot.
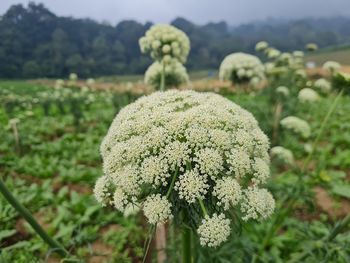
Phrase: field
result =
(49, 159)
(341, 55)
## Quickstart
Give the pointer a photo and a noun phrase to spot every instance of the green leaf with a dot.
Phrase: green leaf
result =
(19, 244)
(341, 190)
(7, 233)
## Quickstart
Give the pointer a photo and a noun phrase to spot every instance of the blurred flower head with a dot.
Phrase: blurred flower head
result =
(175, 74)
(308, 95)
(242, 68)
(164, 42)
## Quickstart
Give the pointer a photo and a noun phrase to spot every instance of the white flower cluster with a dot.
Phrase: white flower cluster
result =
(283, 91)
(285, 59)
(331, 66)
(228, 192)
(257, 203)
(323, 85)
(214, 230)
(297, 125)
(298, 54)
(59, 83)
(261, 46)
(191, 186)
(157, 209)
(242, 68)
(273, 53)
(101, 190)
(90, 82)
(165, 42)
(73, 77)
(282, 154)
(175, 74)
(308, 95)
(311, 47)
(177, 149)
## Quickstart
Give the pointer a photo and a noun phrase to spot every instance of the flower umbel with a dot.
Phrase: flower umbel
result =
(214, 230)
(242, 68)
(165, 42)
(174, 152)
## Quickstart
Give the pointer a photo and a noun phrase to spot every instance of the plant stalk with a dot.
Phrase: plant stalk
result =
(278, 112)
(57, 247)
(162, 77)
(322, 128)
(205, 213)
(186, 245)
(16, 135)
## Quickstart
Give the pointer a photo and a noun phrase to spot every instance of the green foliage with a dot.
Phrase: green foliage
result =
(54, 173)
(36, 42)
(59, 161)
(341, 81)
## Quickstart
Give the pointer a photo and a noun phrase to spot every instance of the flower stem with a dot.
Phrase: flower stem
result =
(202, 207)
(277, 117)
(172, 182)
(148, 242)
(162, 77)
(186, 245)
(16, 135)
(30, 219)
(322, 128)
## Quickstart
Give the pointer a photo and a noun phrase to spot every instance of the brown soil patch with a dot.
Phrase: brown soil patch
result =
(320, 72)
(101, 252)
(327, 204)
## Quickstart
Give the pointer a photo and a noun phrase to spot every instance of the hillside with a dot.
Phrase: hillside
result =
(37, 43)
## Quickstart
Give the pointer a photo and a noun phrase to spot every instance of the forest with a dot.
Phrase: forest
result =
(37, 43)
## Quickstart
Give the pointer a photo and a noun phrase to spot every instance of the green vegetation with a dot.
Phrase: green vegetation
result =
(37, 43)
(51, 163)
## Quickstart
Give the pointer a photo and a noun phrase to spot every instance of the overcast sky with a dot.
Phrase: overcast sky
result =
(199, 11)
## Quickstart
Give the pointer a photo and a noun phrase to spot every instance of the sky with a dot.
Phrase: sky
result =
(199, 11)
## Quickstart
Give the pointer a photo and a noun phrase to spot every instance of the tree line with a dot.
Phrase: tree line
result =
(34, 42)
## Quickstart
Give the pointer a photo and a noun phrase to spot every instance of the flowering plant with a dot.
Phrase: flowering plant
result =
(168, 46)
(175, 74)
(261, 46)
(282, 154)
(241, 68)
(323, 85)
(177, 155)
(165, 42)
(308, 95)
(331, 66)
(311, 47)
(296, 125)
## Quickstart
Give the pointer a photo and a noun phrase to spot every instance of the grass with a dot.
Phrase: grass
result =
(194, 75)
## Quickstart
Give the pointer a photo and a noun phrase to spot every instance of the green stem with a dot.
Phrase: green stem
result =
(30, 219)
(148, 242)
(16, 135)
(172, 182)
(203, 207)
(162, 77)
(322, 128)
(186, 245)
(277, 117)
